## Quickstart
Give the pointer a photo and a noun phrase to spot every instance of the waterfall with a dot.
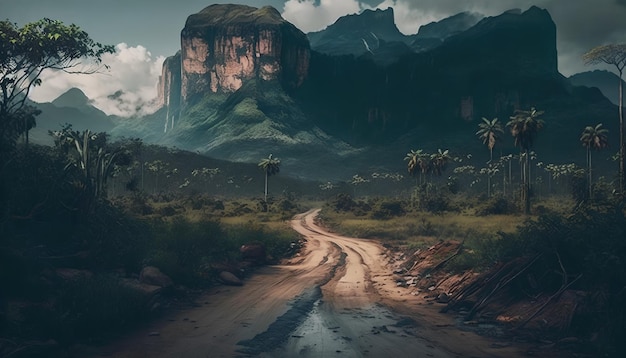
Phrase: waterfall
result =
(167, 119)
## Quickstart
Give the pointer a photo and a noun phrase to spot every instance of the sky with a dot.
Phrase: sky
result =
(147, 31)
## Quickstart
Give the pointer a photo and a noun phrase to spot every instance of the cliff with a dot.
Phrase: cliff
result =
(357, 34)
(223, 46)
(500, 64)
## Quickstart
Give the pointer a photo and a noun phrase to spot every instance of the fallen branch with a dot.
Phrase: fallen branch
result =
(556, 294)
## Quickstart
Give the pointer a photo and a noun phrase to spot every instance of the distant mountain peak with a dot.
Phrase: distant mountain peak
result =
(73, 97)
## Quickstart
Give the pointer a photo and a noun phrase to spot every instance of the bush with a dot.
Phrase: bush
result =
(497, 205)
(184, 249)
(85, 309)
(387, 209)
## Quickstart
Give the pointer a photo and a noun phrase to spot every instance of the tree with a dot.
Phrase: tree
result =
(25, 52)
(489, 132)
(413, 160)
(593, 138)
(614, 54)
(93, 161)
(525, 126)
(439, 161)
(270, 166)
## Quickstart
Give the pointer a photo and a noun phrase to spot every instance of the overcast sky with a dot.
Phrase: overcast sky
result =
(147, 31)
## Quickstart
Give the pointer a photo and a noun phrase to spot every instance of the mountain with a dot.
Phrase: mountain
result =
(607, 82)
(245, 83)
(227, 92)
(433, 34)
(224, 46)
(72, 107)
(357, 34)
(374, 34)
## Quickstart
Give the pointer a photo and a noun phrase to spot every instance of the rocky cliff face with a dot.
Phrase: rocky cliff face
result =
(500, 64)
(224, 46)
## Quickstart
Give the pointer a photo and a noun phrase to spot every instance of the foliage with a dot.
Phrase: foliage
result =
(489, 132)
(25, 52)
(497, 205)
(614, 54)
(593, 138)
(387, 209)
(271, 166)
(90, 307)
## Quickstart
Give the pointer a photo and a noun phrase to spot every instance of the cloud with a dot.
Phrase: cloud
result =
(309, 16)
(127, 88)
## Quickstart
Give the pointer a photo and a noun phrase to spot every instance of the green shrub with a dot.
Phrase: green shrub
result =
(497, 205)
(387, 209)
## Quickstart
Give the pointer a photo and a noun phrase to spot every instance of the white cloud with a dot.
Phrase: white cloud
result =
(133, 74)
(309, 17)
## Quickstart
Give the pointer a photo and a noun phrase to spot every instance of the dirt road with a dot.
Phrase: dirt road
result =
(337, 299)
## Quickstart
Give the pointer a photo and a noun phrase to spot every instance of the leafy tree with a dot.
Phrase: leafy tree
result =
(270, 166)
(525, 126)
(614, 54)
(25, 52)
(593, 138)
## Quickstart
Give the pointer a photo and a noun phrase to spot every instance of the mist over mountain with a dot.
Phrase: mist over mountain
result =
(359, 94)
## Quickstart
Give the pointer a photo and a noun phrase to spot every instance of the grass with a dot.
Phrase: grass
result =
(418, 228)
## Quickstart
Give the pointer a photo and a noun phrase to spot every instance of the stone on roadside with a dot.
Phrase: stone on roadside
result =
(443, 298)
(153, 276)
(230, 279)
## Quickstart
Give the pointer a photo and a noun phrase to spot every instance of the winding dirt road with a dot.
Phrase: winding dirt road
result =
(337, 299)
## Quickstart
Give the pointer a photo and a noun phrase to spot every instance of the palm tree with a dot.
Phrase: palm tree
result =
(412, 159)
(593, 138)
(525, 126)
(270, 166)
(614, 54)
(489, 132)
(439, 161)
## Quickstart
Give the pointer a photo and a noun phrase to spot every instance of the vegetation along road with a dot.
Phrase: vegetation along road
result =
(337, 298)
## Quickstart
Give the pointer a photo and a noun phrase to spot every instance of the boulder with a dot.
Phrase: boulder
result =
(253, 252)
(230, 279)
(153, 276)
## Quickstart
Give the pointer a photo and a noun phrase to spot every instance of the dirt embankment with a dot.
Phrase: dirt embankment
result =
(339, 296)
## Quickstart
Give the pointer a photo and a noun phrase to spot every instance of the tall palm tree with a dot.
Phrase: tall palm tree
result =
(270, 166)
(412, 159)
(593, 138)
(439, 161)
(524, 126)
(614, 54)
(489, 132)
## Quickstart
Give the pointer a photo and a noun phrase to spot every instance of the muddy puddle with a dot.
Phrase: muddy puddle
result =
(329, 331)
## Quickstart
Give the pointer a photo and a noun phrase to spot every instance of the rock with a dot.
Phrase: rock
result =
(253, 252)
(229, 279)
(223, 46)
(443, 298)
(153, 276)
